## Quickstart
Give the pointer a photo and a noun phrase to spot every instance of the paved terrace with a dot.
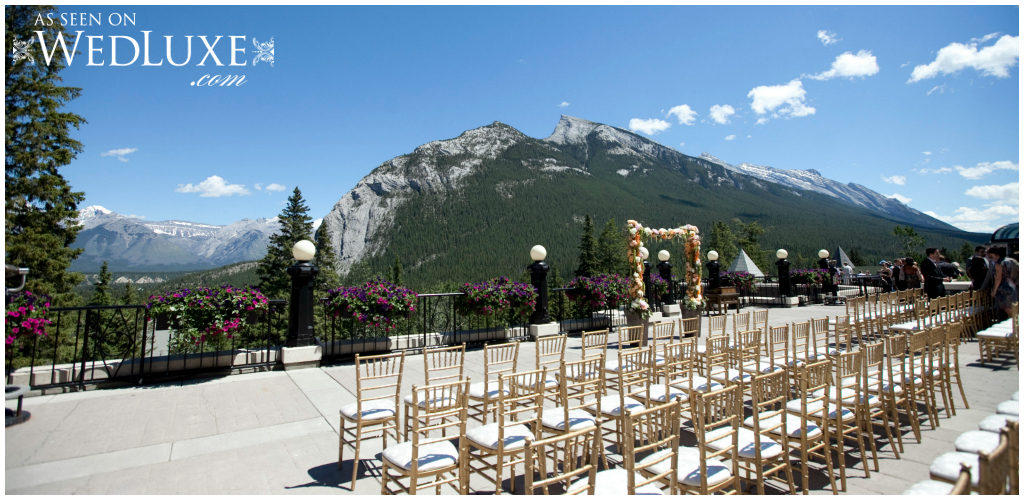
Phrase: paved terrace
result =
(277, 432)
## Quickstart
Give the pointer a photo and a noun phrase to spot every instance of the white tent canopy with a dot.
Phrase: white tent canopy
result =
(743, 263)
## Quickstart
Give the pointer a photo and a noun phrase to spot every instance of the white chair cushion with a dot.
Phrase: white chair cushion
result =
(550, 382)
(794, 425)
(909, 325)
(995, 334)
(886, 386)
(432, 456)
(731, 375)
(616, 482)
(700, 384)
(814, 409)
(993, 423)
(612, 365)
(745, 441)
(487, 435)
(947, 466)
(688, 469)
(800, 356)
(554, 418)
(1015, 396)
(831, 351)
(1009, 408)
(701, 349)
(658, 393)
(929, 487)
(780, 362)
(610, 405)
(849, 396)
(762, 365)
(477, 390)
(975, 441)
(377, 409)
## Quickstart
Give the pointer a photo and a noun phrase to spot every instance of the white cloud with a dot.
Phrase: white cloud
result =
(943, 170)
(682, 143)
(564, 104)
(940, 88)
(898, 180)
(275, 187)
(973, 219)
(902, 199)
(985, 38)
(850, 65)
(120, 153)
(649, 127)
(982, 169)
(686, 115)
(213, 187)
(994, 60)
(730, 137)
(748, 137)
(762, 120)
(904, 65)
(258, 186)
(926, 153)
(1008, 194)
(827, 38)
(780, 100)
(720, 113)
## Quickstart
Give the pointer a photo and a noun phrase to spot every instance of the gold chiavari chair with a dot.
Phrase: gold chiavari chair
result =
(777, 347)
(440, 365)
(434, 407)
(378, 383)
(500, 359)
(653, 433)
(813, 438)
(716, 417)
(842, 334)
(628, 337)
(761, 320)
(716, 325)
(768, 453)
(741, 322)
(993, 467)
(803, 343)
(916, 377)
(594, 343)
(575, 462)
(634, 387)
(683, 372)
(689, 327)
(819, 336)
(951, 368)
(579, 399)
(662, 332)
(900, 388)
(550, 355)
(520, 411)
(879, 404)
(845, 412)
(937, 361)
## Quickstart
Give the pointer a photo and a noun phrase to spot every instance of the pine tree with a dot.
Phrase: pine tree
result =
(131, 297)
(747, 240)
(359, 273)
(40, 205)
(723, 241)
(101, 296)
(611, 249)
(394, 274)
(588, 250)
(295, 226)
(327, 261)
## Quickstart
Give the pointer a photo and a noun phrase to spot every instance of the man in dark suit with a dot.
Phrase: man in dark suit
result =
(978, 268)
(933, 278)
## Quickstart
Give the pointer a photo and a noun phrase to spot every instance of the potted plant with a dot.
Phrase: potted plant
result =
(207, 313)
(377, 303)
(26, 316)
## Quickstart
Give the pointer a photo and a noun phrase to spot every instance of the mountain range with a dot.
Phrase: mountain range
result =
(471, 207)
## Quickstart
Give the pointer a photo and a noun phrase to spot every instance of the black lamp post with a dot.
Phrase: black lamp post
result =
(823, 265)
(539, 279)
(648, 289)
(714, 271)
(300, 308)
(665, 271)
(785, 289)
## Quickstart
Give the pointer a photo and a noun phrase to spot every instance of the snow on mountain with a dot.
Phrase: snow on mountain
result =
(571, 130)
(812, 180)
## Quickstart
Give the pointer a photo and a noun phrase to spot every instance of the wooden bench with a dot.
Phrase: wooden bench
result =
(719, 302)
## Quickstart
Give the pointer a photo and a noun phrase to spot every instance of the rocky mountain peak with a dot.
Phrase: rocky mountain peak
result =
(571, 130)
(93, 211)
(487, 141)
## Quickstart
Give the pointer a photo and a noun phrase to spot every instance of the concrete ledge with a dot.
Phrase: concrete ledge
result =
(669, 310)
(543, 330)
(294, 358)
(791, 301)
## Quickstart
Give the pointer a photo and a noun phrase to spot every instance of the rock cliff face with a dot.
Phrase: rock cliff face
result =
(436, 188)
(129, 243)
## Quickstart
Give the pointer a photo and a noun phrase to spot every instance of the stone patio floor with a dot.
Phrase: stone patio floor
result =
(277, 432)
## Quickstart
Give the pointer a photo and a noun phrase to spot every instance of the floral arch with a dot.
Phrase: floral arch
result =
(637, 234)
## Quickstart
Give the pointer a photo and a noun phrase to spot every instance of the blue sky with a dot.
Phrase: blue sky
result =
(922, 102)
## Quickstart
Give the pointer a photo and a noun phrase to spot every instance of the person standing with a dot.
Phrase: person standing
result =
(847, 273)
(885, 275)
(933, 277)
(1004, 290)
(977, 267)
(912, 274)
(899, 276)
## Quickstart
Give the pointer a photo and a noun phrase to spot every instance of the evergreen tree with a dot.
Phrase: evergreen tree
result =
(908, 242)
(327, 261)
(558, 305)
(723, 241)
(856, 258)
(394, 274)
(965, 254)
(295, 226)
(131, 297)
(588, 263)
(359, 273)
(40, 205)
(748, 241)
(101, 296)
(611, 249)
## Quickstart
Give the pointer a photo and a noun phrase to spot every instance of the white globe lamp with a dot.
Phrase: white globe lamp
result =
(664, 255)
(822, 254)
(644, 253)
(712, 256)
(538, 252)
(782, 253)
(304, 250)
